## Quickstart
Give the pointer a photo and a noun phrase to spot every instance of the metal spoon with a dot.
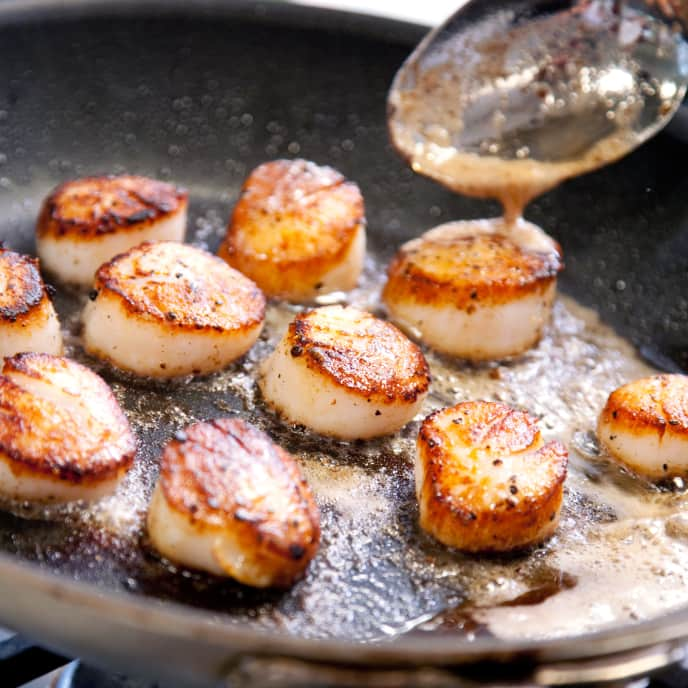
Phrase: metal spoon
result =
(509, 97)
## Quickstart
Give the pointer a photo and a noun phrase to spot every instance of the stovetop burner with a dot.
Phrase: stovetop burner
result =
(24, 664)
(78, 675)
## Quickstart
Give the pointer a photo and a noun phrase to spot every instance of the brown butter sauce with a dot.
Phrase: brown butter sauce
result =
(377, 575)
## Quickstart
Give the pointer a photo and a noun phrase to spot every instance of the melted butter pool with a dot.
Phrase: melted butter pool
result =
(620, 554)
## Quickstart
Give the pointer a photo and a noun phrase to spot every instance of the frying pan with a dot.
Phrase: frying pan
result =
(199, 94)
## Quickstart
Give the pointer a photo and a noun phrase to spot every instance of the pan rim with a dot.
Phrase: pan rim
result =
(280, 12)
(164, 618)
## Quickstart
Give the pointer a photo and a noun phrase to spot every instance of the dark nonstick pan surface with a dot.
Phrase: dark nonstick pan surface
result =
(202, 97)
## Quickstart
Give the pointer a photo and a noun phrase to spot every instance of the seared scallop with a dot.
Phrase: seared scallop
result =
(28, 321)
(644, 426)
(85, 222)
(63, 436)
(477, 289)
(345, 373)
(231, 502)
(298, 230)
(485, 479)
(166, 309)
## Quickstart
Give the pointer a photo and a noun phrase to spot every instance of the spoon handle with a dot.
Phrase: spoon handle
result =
(670, 11)
(675, 11)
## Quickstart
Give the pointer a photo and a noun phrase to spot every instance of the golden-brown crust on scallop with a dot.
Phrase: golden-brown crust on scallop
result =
(294, 221)
(87, 208)
(466, 502)
(228, 474)
(182, 286)
(21, 287)
(368, 356)
(38, 435)
(464, 271)
(657, 404)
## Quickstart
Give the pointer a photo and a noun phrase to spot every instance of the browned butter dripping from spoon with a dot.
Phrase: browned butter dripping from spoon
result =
(508, 98)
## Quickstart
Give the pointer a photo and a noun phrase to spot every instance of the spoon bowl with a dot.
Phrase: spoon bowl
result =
(521, 94)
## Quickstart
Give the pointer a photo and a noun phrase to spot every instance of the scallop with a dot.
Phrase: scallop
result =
(485, 479)
(477, 290)
(165, 309)
(298, 230)
(231, 502)
(28, 321)
(644, 426)
(63, 436)
(342, 372)
(85, 222)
